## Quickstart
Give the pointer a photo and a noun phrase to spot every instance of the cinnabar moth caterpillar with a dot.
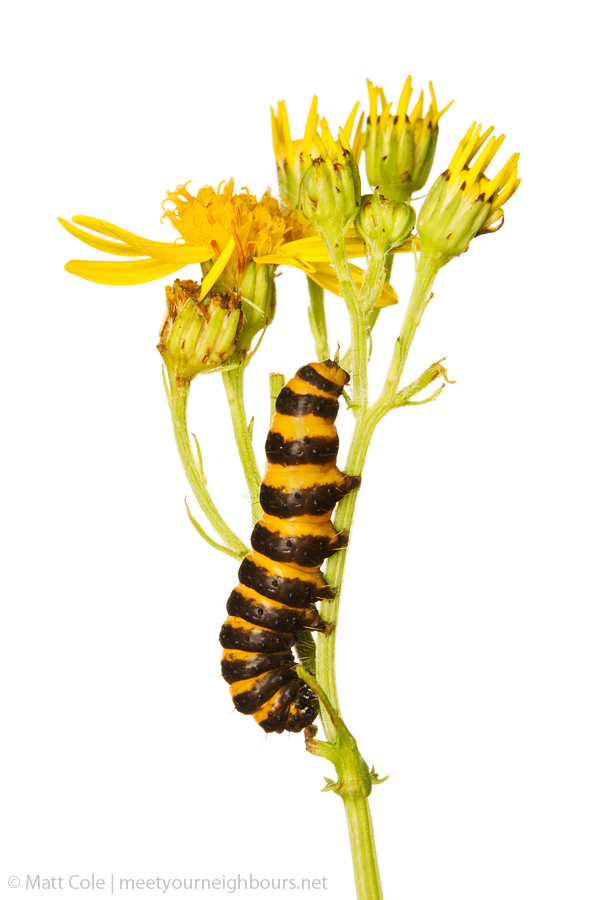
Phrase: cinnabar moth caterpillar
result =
(280, 580)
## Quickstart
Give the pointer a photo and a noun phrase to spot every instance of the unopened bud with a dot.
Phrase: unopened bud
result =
(383, 224)
(198, 336)
(330, 189)
(400, 147)
(464, 202)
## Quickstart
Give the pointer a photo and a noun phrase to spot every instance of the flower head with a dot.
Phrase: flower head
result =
(464, 202)
(400, 146)
(234, 225)
(293, 157)
(223, 231)
(197, 337)
(220, 229)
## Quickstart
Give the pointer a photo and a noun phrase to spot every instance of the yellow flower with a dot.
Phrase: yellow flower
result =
(224, 232)
(463, 202)
(293, 157)
(399, 147)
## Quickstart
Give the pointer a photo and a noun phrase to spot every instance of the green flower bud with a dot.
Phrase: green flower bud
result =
(258, 297)
(197, 337)
(383, 224)
(399, 148)
(330, 188)
(463, 202)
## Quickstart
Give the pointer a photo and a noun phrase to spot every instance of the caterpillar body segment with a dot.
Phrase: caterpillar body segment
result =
(280, 580)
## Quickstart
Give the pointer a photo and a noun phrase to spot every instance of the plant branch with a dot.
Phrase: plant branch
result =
(353, 785)
(334, 242)
(177, 396)
(427, 268)
(317, 319)
(233, 380)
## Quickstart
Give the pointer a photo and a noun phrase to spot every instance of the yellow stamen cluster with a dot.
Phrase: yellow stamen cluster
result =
(213, 218)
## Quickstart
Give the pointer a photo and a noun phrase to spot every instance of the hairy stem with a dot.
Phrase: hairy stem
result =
(233, 380)
(358, 331)
(178, 395)
(374, 279)
(353, 786)
(316, 317)
(336, 564)
(362, 845)
(428, 266)
(360, 826)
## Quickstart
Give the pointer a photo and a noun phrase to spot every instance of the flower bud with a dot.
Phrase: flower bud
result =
(463, 202)
(198, 337)
(383, 224)
(399, 148)
(292, 157)
(330, 188)
(258, 296)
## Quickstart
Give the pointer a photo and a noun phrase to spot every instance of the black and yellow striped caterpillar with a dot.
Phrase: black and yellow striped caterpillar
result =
(280, 580)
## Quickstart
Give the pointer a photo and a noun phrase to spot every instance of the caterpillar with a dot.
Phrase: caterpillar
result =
(280, 579)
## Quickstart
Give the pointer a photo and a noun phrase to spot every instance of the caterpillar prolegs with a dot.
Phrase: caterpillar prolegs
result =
(280, 580)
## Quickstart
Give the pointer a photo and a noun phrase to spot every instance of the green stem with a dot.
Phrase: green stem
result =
(233, 380)
(352, 790)
(360, 826)
(336, 564)
(428, 266)
(353, 786)
(177, 396)
(317, 319)
(334, 242)
(364, 429)
(373, 282)
(362, 845)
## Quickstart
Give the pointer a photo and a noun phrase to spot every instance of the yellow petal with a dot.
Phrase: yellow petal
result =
(117, 249)
(311, 126)
(211, 277)
(181, 253)
(350, 120)
(92, 223)
(312, 249)
(138, 272)
(176, 253)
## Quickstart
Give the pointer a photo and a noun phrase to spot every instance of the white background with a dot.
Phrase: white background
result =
(468, 664)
